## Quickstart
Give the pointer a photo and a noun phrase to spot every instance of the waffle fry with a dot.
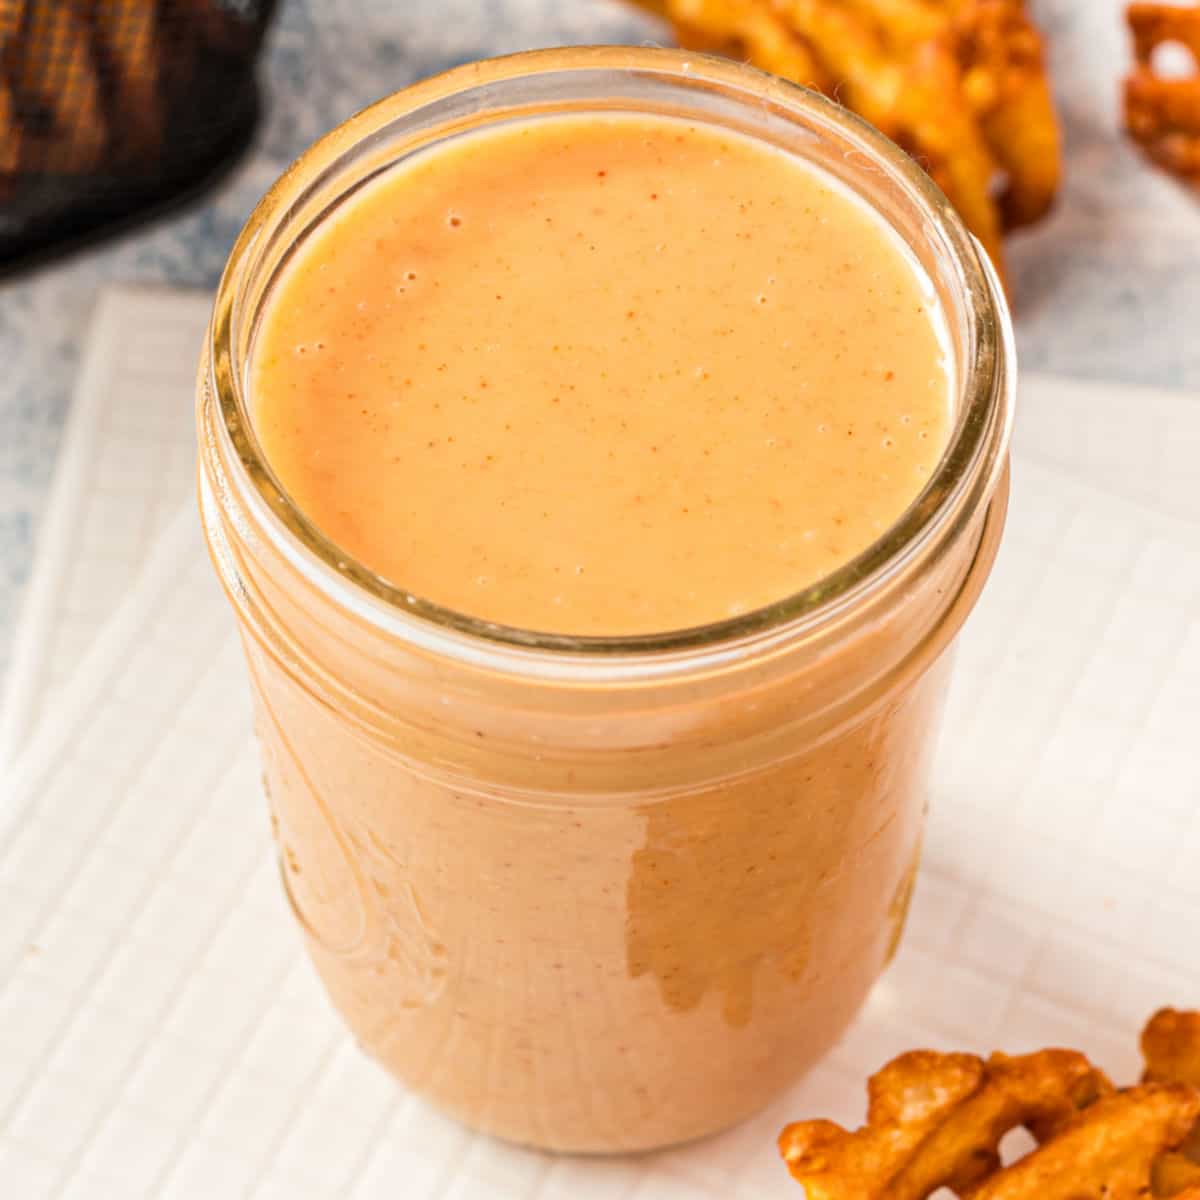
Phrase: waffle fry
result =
(1171, 1048)
(1005, 80)
(1163, 115)
(746, 29)
(936, 1121)
(960, 84)
(1107, 1153)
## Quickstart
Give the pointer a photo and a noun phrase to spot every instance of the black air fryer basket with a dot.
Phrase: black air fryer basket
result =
(111, 107)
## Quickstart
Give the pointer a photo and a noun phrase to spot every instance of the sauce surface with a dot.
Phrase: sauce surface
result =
(602, 375)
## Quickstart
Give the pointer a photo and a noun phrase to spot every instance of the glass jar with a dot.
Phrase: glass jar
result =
(601, 894)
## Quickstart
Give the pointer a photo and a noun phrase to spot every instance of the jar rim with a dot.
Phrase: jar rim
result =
(963, 479)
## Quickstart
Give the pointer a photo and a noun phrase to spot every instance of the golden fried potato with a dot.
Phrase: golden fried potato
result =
(1106, 1153)
(1171, 1047)
(1176, 1175)
(909, 1100)
(1005, 81)
(746, 29)
(1163, 115)
(960, 84)
(936, 1121)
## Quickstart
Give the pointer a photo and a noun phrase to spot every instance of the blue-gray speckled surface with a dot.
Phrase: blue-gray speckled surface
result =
(1108, 287)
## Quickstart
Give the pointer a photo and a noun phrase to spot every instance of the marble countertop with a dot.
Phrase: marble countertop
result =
(1107, 288)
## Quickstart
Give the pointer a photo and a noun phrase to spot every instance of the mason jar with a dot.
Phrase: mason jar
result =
(601, 893)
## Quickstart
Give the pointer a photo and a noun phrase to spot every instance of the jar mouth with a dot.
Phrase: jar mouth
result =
(578, 80)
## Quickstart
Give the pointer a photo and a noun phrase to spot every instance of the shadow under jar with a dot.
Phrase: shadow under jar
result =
(602, 894)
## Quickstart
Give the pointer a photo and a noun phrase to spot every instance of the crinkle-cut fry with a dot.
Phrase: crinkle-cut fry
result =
(908, 1100)
(950, 145)
(1171, 1047)
(1162, 114)
(903, 24)
(936, 1120)
(1006, 83)
(745, 29)
(1107, 1152)
(865, 78)
(1042, 1092)
(1014, 133)
(908, 102)
(960, 84)
(918, 103)
(1174, 1175)
(1153, 24)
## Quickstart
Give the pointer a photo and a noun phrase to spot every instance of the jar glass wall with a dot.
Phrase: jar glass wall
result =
(601, 894)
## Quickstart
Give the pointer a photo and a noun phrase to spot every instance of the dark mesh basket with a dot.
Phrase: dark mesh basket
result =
(109, 107)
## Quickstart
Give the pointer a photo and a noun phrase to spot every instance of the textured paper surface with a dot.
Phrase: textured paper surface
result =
(162, 1035)
(126, 466)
